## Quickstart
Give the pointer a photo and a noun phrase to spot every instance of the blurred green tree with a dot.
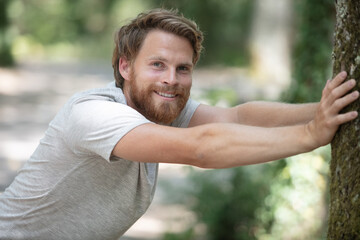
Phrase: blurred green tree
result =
(64, 20)
(6, 58)
(312, 50)
(219, 193)
(226, 25)
(311, 67)
(227, 201)
(85, 26)
(69, 29)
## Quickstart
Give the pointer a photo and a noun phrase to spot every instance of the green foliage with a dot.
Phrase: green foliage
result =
(312, 50)
(227, 95)
(6, 58)
(77, 25)
(55, 21)
(289, 196)
(86, 27)
(68, 29)
(226, 25)
(227, 200)
(186, 235)
(297, 199)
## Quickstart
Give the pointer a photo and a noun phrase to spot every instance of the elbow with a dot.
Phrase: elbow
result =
(200, 160)
(202, 153)
(197, 157)
(207, 162)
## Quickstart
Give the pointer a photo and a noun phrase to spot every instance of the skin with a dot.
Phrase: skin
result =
(160, 78)
(250, 133)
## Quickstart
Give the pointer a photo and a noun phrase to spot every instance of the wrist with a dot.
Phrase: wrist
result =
(310, 141)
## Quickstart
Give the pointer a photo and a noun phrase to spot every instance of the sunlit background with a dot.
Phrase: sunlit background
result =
(276, 50)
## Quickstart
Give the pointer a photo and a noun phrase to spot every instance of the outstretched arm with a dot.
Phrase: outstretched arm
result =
(223, 145)
(259, 113)
(216, 145)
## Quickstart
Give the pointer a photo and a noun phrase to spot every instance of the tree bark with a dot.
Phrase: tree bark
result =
(344, 222)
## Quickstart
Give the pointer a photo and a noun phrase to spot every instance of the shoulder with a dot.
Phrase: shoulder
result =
(109, 93)
(109, 99)
(100, 110)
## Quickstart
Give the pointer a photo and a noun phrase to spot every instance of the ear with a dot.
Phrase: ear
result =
(124, 68)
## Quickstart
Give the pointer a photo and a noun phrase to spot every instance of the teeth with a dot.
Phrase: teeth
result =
(166, 95)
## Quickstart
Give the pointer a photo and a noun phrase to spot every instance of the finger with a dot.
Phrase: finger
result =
(342, 90)
(327, 82)
(345, 117)
(337, 80)
(344, 101)
(326, 89)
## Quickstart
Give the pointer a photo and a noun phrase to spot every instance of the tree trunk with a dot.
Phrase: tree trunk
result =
(344, 220)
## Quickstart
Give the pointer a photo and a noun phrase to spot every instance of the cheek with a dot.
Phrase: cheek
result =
(145, 80)
(150, 77)
(187, 82)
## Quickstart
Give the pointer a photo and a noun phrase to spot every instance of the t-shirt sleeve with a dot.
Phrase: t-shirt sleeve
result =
(95, 127)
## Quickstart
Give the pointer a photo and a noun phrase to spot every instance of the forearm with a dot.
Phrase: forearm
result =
(230, 145)
(274, 114)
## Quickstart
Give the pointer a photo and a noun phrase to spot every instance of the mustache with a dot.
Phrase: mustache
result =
(178, 90)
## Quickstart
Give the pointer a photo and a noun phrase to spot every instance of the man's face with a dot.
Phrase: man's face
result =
(161, 77)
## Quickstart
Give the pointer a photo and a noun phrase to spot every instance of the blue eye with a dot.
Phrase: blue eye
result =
(184, 69)
(157, 64)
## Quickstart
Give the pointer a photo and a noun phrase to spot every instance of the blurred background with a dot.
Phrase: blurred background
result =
(275, 50)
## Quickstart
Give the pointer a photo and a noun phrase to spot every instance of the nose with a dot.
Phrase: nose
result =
(170, 78)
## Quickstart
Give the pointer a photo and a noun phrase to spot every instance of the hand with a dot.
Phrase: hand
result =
(335, 96)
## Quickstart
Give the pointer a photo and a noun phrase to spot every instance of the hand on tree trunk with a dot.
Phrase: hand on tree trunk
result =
(335, 97)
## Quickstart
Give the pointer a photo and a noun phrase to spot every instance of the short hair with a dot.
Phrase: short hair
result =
(129, 38)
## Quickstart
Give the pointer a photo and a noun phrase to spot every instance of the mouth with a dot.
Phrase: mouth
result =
(166, 95)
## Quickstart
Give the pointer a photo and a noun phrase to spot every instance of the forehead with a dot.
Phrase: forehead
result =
(158, 43)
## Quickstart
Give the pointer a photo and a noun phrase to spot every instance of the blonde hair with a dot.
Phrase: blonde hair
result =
(129, 38)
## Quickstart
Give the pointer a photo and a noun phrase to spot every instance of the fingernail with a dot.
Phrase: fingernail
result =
(343, 74)
(352, 82)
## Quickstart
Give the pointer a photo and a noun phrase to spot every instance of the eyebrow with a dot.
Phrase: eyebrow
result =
(157, 58)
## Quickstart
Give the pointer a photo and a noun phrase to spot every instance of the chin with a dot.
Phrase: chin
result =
(165, 113)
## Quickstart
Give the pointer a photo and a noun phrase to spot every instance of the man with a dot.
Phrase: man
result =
(94, 173)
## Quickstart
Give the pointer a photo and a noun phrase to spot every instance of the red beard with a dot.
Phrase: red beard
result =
(165, 112)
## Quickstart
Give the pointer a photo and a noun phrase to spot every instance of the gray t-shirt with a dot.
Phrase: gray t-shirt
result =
(71, 187)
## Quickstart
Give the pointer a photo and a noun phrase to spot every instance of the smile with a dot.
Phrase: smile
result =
(167, 95)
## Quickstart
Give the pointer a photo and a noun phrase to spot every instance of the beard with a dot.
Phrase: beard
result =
(164, 112)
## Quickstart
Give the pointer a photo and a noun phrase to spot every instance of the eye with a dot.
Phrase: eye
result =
(158, 64)
(184, 69)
